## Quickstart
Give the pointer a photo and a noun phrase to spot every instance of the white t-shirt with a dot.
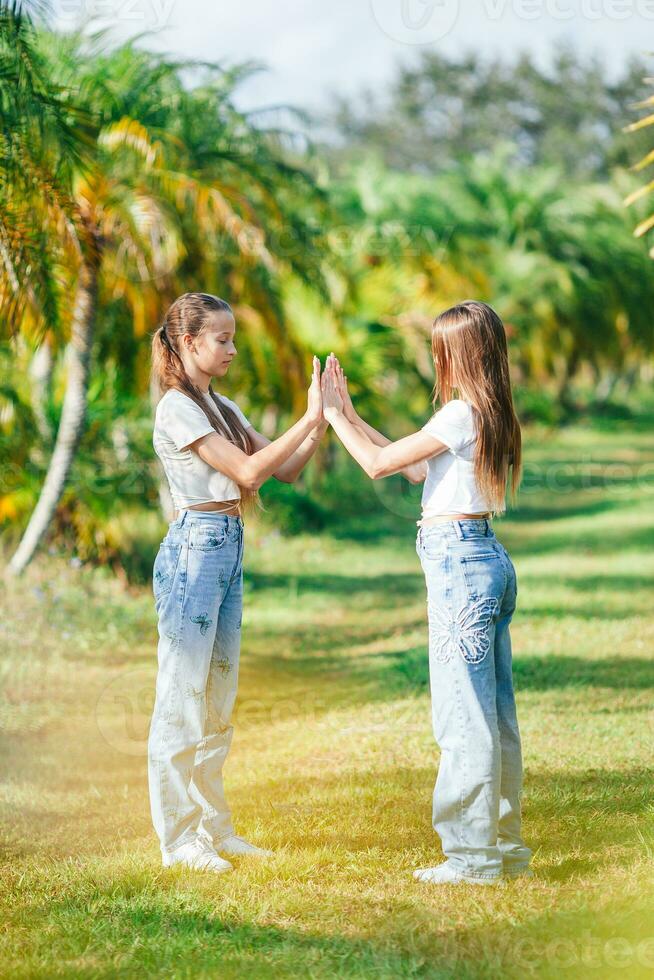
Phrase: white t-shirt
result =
(178, 422)
(450, 487)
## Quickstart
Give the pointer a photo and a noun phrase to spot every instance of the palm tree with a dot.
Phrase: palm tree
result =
(176, 187)
(647, 223)
(558, 262)
(43, 136)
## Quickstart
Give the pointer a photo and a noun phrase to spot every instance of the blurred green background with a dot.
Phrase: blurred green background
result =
(129, 177)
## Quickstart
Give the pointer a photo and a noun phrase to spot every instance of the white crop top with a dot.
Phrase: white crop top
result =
(178, 422)
(450, 486)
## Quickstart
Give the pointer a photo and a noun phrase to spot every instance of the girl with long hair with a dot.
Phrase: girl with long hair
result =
(467, 453)
(215, 461)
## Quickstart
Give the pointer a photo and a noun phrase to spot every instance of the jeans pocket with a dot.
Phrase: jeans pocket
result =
(484, 574)
(207, 537)
(434, 547)
(164, 569)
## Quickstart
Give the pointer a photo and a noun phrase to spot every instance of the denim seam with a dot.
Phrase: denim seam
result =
(447, 576)
(162, 595)
(505, 569)
(239, 557)
(177, 642)
(206, 686)
(464, 760)
(199, 772)
(476, 874)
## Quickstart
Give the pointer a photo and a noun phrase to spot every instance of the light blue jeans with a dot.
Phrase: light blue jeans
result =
(198, 593)
(471, 597)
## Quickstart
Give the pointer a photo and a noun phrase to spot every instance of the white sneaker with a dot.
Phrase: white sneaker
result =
(199, 855)
(445, 874)
(236, 846)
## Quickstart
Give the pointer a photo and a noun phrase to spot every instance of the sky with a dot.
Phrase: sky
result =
(315, 49)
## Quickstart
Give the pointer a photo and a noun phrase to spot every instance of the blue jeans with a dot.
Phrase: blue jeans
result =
(471, 597)
(198, 593)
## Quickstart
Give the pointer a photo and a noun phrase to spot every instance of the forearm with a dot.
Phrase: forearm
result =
(267, 461)
(375, 437)
(415, 473)
(291, 469)
(357, 442)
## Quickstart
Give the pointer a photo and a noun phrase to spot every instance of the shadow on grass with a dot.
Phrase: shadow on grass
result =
(390, 674)
(175, 940)
(582, 826)
(576, 822)
(560, 508)
(339, 586)
(590, 583)
(546, 673)
(598, 541)
(177, 929)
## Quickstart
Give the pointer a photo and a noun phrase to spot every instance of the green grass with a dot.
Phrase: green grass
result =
(333, 760)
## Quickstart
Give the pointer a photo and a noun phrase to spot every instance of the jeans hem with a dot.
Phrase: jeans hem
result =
(222, 837)
(475, 875)
(471, 876)
(516, 871)
(169, 851)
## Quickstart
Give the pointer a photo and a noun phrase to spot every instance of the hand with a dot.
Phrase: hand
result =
(332, 403)
(314, 395)
(349, 410)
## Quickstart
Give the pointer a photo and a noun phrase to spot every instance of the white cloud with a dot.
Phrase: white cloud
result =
(313, 48)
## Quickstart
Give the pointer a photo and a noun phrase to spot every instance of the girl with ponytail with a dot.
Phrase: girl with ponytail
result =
(215, 461)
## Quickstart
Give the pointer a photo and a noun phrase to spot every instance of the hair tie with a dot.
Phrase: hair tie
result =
(166, 339)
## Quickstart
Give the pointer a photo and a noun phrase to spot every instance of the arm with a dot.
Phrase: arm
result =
(289, 471)
(376, 461)
(251, 471)
(380, 461)
(417, 472)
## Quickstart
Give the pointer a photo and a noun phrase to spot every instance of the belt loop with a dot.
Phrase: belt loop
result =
(459, 530)
(183, 518)
(488, 528)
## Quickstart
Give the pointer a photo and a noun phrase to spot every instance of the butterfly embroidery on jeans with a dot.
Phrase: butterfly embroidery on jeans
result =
(203, 621)
(467, 633)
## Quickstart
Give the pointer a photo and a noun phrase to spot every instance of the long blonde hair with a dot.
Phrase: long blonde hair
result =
(468, 344)
(189, 314)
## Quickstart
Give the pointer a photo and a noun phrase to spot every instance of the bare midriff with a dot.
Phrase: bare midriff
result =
(440, 518)
(232, 507)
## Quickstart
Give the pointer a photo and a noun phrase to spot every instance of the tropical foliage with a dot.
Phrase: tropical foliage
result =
(641, 126)
(127, 178)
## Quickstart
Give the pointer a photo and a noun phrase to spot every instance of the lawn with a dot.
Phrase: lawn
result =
(333, 760)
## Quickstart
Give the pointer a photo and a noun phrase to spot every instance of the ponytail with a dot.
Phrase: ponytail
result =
(189, 314)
